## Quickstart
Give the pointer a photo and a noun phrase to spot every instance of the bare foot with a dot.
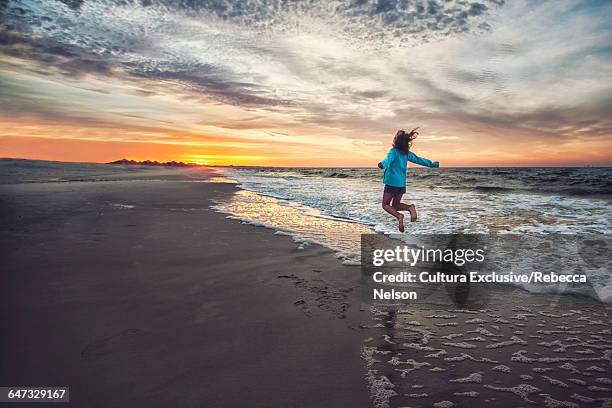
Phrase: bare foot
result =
(413, 212)
(400, 223)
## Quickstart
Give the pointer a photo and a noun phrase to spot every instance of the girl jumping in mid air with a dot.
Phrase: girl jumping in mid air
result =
(395, 175)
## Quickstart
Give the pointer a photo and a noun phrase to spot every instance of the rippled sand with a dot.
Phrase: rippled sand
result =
(518, 350)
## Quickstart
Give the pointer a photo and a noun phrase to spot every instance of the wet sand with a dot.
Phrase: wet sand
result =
(135, 293)
(514, 349)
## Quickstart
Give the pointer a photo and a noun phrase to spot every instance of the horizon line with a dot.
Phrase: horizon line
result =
(322, 167)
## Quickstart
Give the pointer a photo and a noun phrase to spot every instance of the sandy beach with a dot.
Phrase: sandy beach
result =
(132, 291)
(136, 293)
(510, 348)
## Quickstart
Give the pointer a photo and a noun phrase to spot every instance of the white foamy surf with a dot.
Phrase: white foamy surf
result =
(333, 207)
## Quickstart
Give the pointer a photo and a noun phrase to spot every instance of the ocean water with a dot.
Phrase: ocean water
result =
(334, 206)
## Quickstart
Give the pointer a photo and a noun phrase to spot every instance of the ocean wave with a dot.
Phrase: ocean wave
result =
(581, 182)
(315, 205)
(492, 189)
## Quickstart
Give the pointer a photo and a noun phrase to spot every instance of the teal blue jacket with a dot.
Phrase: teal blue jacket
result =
(395, 166)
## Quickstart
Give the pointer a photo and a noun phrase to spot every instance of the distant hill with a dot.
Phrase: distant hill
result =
(154, 163)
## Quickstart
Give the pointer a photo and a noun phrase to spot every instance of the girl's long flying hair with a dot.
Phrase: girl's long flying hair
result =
(403, 140)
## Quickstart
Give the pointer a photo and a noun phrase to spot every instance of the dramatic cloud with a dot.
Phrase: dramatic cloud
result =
(346, 71)
(197, 43)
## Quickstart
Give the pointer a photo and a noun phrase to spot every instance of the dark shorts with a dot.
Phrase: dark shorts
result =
(394, 190)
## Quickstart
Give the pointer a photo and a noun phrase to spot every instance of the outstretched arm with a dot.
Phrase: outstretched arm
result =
(422, 161)
(388, 160)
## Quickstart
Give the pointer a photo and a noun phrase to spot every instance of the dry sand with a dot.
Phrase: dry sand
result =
(136, 293)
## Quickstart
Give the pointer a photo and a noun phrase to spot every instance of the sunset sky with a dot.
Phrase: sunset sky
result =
(307, 83)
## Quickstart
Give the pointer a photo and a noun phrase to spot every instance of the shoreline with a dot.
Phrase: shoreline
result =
(145, 294)
(349, 257)
(506, 352)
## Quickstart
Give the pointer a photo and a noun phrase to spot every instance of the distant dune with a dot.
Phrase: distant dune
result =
(155, 163)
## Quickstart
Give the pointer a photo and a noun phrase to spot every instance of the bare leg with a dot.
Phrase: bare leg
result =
(386, 205)
(399, 206)
(413, 212)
